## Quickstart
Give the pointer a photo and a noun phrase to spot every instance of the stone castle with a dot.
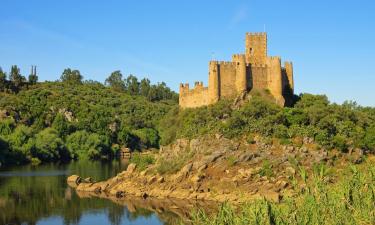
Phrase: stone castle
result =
(253, 70)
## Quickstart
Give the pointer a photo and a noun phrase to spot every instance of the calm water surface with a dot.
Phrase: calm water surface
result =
(40, 195)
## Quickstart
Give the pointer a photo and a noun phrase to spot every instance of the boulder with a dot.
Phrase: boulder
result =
(357, 156)
(88, 180)
(213, 157)
(161, 180)
(197, 178)
(290, 170)
(247, 156)
(131, 168)
(74, 179)
(151, 180)
(272, 196)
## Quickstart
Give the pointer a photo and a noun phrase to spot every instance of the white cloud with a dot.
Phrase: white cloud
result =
(239, 15)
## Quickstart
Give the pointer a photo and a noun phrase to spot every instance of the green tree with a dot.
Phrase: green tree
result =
(60, 124)
(3, 80)
(71, 76)
(132, 85)
(148, 137)
(3, 151)
(127, 138)
(15, 77)
(82, 144)
(49, 146)
(115, 81)
(33, 78)
(369, 139)
(21, 142)
(144, 87)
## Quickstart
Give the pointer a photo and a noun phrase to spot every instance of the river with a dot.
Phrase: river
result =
(40, 195)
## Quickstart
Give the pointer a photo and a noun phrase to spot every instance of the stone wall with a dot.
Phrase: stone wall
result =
(193, 97)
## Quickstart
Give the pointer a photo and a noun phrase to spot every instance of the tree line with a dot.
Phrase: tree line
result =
(15, 80)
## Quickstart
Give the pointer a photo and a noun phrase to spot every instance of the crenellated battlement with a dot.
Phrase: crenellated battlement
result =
(256, 34)
(198, 84)
(250, 70)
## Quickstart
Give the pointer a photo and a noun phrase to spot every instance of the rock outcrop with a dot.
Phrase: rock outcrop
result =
(217, 169)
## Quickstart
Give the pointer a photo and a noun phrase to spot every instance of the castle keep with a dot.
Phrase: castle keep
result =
(253, 70)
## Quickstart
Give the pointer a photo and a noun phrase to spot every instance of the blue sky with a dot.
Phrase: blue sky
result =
(331, 43)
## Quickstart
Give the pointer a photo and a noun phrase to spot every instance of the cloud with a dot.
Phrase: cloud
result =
(239, 15)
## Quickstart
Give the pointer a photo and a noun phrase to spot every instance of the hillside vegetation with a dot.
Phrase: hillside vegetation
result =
(72, 118)
(342, 127)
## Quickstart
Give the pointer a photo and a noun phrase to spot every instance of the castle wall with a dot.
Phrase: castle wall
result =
(196, 97)
(227, 75)
(259, 76)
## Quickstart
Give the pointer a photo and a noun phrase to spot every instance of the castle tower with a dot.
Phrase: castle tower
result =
(289, 72)
(256, 48)
(275, 83)
(213, 83)
(240, 63)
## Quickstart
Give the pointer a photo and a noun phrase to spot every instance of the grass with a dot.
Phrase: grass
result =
(231, 160)
(266, 169)
(142, 161)
(173, 164)
(349, 201)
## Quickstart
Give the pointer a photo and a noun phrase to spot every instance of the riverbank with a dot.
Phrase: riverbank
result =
(214, 168)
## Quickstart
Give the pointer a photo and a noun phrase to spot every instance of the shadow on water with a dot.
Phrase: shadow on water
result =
(40, 195)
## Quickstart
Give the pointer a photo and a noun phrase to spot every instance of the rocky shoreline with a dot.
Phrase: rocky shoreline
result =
(220, 169)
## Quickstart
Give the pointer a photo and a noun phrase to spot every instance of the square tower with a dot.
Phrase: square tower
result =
(256, 48)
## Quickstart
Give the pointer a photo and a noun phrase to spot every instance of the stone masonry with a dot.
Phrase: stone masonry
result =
(253, 70)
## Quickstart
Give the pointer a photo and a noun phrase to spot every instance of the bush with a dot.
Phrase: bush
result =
(49, 146)
(148, 137)
(142, 161)
(82, 144)
(7, 126)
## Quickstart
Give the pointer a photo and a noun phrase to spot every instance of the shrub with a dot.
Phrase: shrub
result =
(49, 146)
(142, 161)
(82, 144)
(148, 137)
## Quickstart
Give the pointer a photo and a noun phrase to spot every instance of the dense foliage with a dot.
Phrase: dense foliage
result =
(330, 125)
(72, 118)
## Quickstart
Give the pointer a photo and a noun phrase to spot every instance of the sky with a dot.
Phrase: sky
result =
(331, 43)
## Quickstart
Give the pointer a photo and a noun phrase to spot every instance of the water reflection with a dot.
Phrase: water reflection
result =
(40, 195)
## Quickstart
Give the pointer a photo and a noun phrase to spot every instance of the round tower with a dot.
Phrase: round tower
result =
(213, 82)
(275, 82)
(241, 82)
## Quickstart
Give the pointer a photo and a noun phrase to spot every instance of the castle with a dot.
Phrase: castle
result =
(253, 70)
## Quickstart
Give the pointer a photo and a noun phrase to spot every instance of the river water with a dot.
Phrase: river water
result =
(40, 195)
